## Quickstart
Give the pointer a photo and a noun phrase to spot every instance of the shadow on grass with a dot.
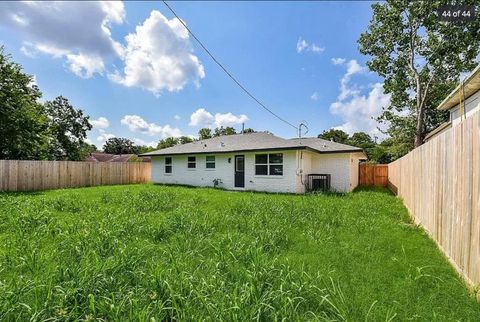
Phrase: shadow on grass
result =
(22, 193)
(180, 186)
(312, 193)
(373, 189)
(221, 189)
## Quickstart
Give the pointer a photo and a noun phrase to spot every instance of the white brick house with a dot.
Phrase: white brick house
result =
(259, 161)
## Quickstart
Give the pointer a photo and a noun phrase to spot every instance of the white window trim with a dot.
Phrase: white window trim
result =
(214, 163)
(268, 175)
(165, 166)
(194, 162)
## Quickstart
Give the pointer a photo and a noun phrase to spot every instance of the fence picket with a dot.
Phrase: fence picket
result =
(42, 175)
(439, 183)
(373, 174)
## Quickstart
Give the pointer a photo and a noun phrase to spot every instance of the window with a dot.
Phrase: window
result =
(275, 167)
(192, 163)
(269, 164)
(210, 162)
(261, 164)
(168, 165)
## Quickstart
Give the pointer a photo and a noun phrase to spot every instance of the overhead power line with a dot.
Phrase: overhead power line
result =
(226, 71)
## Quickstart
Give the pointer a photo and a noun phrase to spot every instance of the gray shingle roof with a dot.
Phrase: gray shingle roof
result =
(254, 142)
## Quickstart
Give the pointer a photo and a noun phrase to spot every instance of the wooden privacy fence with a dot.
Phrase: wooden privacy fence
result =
(42, 175)
(440, 185)
(373, 174)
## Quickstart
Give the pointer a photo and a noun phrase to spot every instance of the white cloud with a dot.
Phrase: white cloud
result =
(138, 141)
(338, 61)
(177, 117)
(75, 31)
(52, 50)
(137, 124)
(28, 49)
(158, 56)
(103, 137)
(317, 49)
(202, 117)
(228, 119)
(358, 111)
(353, 67)
(315, 96)
(100, 123)
(84, 65)
(303, 45)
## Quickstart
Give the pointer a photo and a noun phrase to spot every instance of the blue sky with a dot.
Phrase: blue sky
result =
(133, 68)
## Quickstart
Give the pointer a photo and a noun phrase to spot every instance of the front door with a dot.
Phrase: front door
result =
(239, 171)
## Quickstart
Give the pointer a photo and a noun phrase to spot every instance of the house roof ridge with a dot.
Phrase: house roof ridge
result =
(258, 141)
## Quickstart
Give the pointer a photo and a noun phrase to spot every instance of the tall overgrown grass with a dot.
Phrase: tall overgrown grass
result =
(157, 253)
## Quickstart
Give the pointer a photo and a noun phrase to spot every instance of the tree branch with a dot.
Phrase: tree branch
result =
(426, 88)
(411, 63)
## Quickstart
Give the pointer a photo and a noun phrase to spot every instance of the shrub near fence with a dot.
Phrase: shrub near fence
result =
(440, 185)
(42, 175)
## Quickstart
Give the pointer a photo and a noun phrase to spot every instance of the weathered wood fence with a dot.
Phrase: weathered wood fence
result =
(373, 174)
(440, 185)
(43, 175)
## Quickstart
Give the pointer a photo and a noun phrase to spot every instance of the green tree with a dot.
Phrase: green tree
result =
(364, 141)
(23, 121)
(420, 59)
(120, 146)
(380, 154)
(204, 133)
(249, 130)
(167, 142)
(184, 139)
(86, 149)
(68, 129)
(361, 140)
(219, 131)
(338, 136)
(145, 149)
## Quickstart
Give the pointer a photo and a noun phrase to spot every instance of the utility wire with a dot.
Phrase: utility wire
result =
(226, 71)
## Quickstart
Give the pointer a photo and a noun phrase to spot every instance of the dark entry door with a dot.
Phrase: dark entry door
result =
(240, 171)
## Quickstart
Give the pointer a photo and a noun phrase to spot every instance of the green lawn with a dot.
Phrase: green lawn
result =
(153, 253)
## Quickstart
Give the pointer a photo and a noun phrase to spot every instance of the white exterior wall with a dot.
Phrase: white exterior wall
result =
(285, 183)
(200, 176)
(342, 167)
(354, 169)
(472, 105)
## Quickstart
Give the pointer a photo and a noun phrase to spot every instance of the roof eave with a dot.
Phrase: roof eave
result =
(336, 151)
(471, 84)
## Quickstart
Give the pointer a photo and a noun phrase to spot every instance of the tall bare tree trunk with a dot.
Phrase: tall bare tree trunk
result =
(420, 128)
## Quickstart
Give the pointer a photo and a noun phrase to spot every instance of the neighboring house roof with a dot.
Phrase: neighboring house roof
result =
(258, 141)
(442, 127)
(468, 87)
(107, 157)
